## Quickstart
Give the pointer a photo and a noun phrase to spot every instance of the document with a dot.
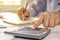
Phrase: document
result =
(14, 19)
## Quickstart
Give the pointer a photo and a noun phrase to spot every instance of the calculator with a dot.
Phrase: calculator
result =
(27, 32)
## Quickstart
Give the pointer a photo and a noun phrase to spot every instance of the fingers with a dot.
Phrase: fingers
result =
(23, 14)
(34, 21)
(57, 18)
(26, 14)
(21, 9)
(46, 20)
(52, 20)
(37, 23)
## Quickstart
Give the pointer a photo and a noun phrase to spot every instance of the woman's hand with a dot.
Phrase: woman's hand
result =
(48, 19)
(23, 14)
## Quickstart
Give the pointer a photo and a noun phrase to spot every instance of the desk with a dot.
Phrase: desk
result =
(54, 35)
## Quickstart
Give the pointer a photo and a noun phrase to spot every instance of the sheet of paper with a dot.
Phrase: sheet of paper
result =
(13, 18)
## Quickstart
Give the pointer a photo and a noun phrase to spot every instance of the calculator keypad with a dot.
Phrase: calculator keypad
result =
(30, 31)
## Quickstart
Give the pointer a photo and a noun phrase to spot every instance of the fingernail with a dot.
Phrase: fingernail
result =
(33, 28)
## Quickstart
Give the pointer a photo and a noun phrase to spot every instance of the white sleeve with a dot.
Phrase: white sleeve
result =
(36, 6)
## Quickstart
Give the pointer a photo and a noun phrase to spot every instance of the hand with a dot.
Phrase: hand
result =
(48, 19)
(23, 14)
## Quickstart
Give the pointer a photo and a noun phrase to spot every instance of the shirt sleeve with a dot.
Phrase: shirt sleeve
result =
(36, 6)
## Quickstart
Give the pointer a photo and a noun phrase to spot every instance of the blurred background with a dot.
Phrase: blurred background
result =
(11, 5)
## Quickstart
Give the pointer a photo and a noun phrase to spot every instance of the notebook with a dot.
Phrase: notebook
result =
(13, 18)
